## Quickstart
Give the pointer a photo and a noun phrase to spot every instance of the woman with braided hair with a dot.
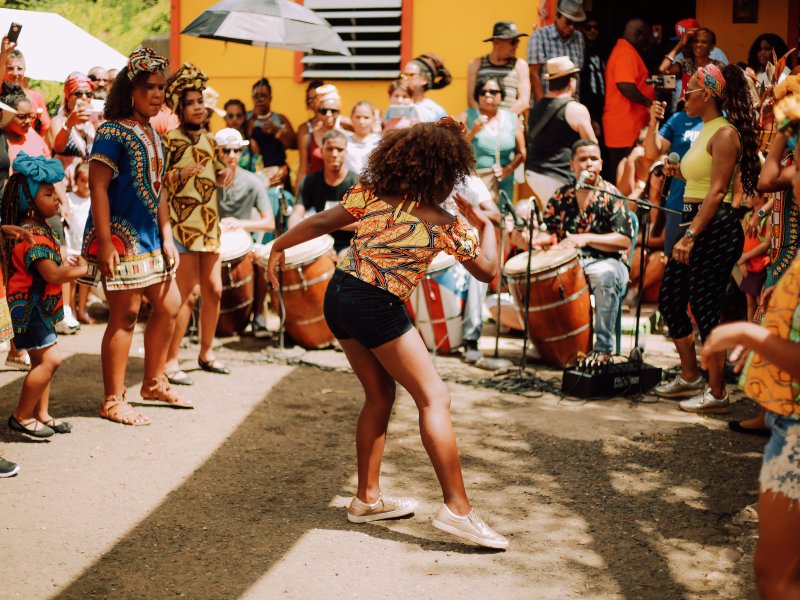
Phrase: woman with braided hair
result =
(401, 227)
(703, 258)
(128, 239)
(193, 170)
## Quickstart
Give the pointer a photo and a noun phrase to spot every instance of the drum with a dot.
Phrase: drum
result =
(510, 315)
(560, 311)
(236, 304)
(308, 268)
(437, 304)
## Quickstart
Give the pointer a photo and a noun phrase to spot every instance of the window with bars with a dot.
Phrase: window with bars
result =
(370, 29)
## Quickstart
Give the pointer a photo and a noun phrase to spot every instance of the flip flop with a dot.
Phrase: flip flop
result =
(213, 366)
(179, 377)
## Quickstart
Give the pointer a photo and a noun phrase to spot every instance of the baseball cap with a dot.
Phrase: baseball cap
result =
(683, 25)
(230, 137)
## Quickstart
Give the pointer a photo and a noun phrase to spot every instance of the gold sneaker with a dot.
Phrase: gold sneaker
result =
(385, 508)
(470, 527)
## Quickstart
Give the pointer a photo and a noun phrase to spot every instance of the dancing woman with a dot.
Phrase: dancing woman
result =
(128, 240)
(702, 259)
(401, 227)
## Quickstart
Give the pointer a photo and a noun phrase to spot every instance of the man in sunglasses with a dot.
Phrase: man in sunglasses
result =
(558, 39)
(99, 77)
(502, 63)
(592, 88)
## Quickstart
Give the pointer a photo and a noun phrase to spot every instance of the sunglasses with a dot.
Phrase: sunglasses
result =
(95, 78)
(234, 115)
(408, 75)
(231, 150)
(328, 111)
(514, 42)
(568, 22)
(80, 94)
(26, 117)
(592, 27)
(490, 92)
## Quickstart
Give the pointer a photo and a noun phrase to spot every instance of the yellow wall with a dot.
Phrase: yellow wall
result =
(452, 29)
(735, 38)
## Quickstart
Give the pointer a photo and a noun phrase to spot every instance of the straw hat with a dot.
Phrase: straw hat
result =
(560, 66)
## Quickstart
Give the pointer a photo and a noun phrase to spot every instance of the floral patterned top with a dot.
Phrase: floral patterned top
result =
(27, 289)
(193, 209)
(135, 156)
(772, 388)
(604, 214)
(392, 248)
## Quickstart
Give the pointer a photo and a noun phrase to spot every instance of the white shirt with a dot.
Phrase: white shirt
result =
(79, 209)
(358, 152)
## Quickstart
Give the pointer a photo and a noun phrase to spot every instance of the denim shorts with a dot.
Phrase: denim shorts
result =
(38, 334)
(361, 311)
(780, 471)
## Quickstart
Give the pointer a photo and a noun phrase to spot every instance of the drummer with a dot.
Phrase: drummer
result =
(324, 189)
(245, 205)
(600, 228)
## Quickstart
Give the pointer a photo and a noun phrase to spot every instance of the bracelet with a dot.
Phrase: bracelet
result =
(669, 57)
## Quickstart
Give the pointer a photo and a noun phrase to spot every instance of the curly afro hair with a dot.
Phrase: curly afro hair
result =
(422, 163)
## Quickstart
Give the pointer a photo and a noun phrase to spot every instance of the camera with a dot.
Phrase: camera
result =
(664, 82)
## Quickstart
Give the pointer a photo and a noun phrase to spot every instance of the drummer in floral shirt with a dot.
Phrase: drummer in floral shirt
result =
(599, 227)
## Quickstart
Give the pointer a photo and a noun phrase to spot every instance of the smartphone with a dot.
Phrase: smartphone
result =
(97, 106)
(13, 32)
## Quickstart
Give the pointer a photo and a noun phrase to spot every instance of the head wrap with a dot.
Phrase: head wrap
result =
(74, 82)
(449, 122)
(325, 93)
(187, 78)
(145, 60)
(712, 80)
(37, 170)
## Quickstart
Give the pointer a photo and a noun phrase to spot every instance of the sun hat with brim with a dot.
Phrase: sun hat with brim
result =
(560, 66)
(230, 138)
(7, 114)
(505, 30)
(572, 9)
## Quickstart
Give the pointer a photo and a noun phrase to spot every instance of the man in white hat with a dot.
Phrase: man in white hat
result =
(558, 39)
(502, 63)
(556, 122)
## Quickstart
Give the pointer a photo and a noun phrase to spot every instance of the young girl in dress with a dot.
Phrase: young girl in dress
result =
(35, 276)
(363, 138)
(401, 227)
(128, 239)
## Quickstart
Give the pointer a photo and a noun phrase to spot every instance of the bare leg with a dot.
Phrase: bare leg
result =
(756, 422)
(211, 290)
(688, 356)
(716, 374)
(83, 296)
(379, 395)
(407, 360)
(166, 301)
(34, 397)
(187, 277)
(777, 559)
(123, 306)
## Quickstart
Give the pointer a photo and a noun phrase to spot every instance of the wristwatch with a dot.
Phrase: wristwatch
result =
(761, 213)
(690, 234)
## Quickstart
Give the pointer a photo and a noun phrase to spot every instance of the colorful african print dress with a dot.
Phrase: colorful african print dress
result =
(6, 329)
(27, 289)
(785, 222)
(392, 248)
(135, 155)
(193, 209)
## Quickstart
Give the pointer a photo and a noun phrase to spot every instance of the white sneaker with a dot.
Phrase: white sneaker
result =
(470, 527)
(64, 329)
(706, 403)
(680, 388)
(386, 507)
(70, 319)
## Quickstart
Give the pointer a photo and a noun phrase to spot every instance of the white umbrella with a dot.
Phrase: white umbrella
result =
(54, 47)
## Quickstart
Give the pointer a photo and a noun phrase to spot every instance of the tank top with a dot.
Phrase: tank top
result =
(696, 163)
(506, 73)
(550, 152)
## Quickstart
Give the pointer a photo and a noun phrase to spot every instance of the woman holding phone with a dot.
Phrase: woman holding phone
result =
(71, 132)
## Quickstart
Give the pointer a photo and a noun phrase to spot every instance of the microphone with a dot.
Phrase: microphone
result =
(581, 183)
(673, 159)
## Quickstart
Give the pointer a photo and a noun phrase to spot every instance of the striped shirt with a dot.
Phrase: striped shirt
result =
(507, 73)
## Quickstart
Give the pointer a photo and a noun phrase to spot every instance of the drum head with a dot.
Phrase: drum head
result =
(234, 243)
(301, 254)
(542, 260)
(441, 262)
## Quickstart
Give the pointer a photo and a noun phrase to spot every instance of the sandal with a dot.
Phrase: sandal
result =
(20, 362)
(213, 366)
(119, 411)
(179, 377)
(59, 427)
(159, 389)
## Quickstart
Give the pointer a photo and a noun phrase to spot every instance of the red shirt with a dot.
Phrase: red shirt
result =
(622, 118)
(27, 289)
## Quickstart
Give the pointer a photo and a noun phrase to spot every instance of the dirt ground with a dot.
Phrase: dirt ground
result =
(244, 496)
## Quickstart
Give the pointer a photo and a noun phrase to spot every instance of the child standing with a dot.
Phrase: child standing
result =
(363, 140)
(80, 204)
(401, 226)
(35, 277)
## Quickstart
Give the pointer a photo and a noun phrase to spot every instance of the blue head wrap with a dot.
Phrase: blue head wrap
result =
(37, 170)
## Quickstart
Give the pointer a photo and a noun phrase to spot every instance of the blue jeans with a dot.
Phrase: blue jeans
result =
(780, 470)
(473, 308)
(607, 277)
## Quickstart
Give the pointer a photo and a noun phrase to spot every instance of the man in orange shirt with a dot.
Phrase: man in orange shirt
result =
(628, 95)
